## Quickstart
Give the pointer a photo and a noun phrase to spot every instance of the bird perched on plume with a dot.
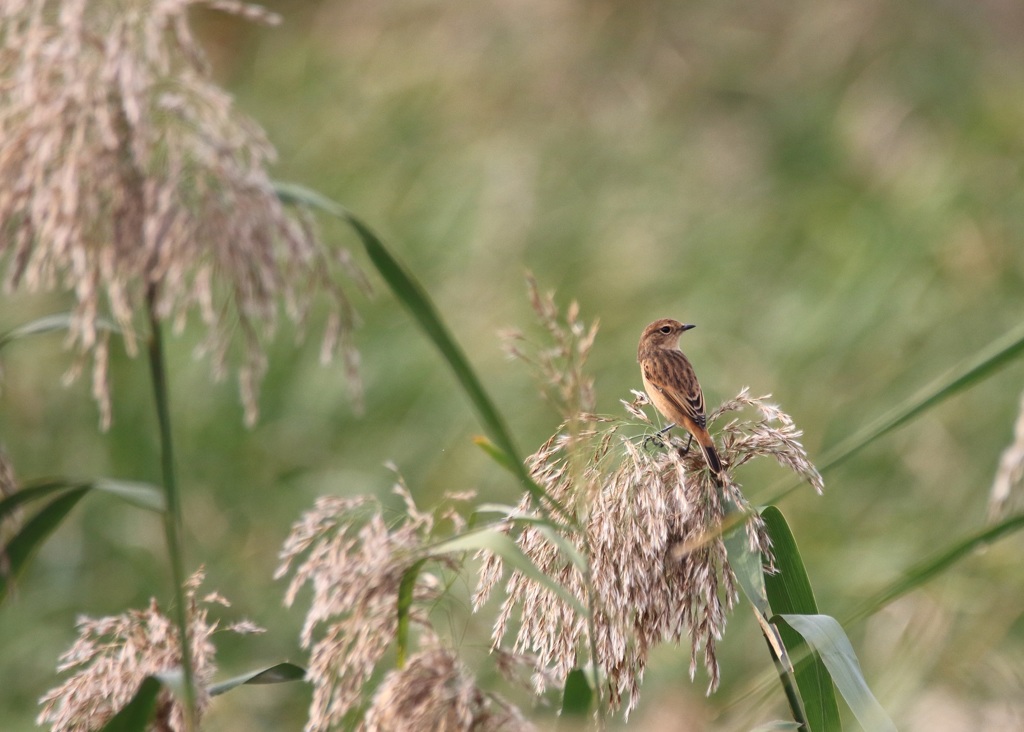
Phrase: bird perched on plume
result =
(672, 386)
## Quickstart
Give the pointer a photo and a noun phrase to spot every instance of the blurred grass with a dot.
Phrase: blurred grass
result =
(832, 192)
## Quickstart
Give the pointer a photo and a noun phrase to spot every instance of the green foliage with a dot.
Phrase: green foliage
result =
(789, 593)
(935, 566)
(577, 696)
(29, 538)
(1001, 352)
(47, 324)
(419, 305)
(826, 637)
(279, 673)
(136, 715)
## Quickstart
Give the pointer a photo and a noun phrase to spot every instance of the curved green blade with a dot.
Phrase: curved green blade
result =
(828, 639)
(22, 547)
(926, 570)
(789, 591)
(577, 695)
(509, 551)
(420, 306)
(136, 715)
(279, 673)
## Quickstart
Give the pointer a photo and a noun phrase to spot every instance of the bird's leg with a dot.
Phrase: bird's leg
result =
(686, 449)
(656, 438)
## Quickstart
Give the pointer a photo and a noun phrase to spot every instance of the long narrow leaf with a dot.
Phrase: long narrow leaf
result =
(36, 492)
(986, 362)
(143, 495)
(974, 370)
(577, 696)
(747, 566)
(496, 454)
(419, 305)
(136, 715)
(921, 573)
(551, 531)
(504, 509)
(826, 636)
(279, 673)
(512, 555)
(416, 300)
(48, 324)
(789, 591)
(20, 549)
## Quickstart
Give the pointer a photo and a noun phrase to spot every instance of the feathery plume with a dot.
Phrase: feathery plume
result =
(559, 367)
(435, 692)
(133, 182)
(653, 538)
(113, 656)
(652, 530)
(1010, 472)
(355, 564)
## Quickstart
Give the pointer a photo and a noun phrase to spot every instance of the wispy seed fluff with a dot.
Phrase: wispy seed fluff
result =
(355, 563)
(652, 534)
(113, 656)
(434, 691)
(131, 181)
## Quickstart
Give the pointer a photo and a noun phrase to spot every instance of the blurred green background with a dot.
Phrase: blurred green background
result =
(832, 192)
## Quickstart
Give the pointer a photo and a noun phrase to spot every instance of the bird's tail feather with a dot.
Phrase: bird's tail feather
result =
(714, 462)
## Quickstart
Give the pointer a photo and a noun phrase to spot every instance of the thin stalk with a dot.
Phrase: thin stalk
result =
(172, 513)
(790, 688)
(784, 669)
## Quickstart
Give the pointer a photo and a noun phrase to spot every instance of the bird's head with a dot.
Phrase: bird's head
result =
(662, 334)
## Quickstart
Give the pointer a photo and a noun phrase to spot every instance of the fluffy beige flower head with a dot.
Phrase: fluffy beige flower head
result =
(132, 181)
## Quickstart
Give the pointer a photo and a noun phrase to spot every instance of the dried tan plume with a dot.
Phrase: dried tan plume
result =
(131, 180)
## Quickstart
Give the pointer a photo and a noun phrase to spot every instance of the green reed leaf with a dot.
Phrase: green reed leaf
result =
(420, 306)
(500, 544)
(972, 371)
(49, 324)
(828, 639)
(789, 592)
(18, 552)
(926, 570)
(136, 715)
(279, 673)
(747, 565)
(577, 695)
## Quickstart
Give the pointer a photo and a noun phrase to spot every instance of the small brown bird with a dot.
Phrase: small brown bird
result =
(673, 388)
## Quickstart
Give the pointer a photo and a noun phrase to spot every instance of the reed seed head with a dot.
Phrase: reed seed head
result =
(133, 182)
(113, 655)
(355, 563)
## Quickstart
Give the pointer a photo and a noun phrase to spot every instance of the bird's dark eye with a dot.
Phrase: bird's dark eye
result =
(666, 329)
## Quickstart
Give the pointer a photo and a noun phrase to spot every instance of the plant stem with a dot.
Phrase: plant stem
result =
(788, 685)
(172, 514)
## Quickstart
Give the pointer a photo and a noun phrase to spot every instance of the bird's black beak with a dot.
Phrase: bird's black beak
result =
(688, 327)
